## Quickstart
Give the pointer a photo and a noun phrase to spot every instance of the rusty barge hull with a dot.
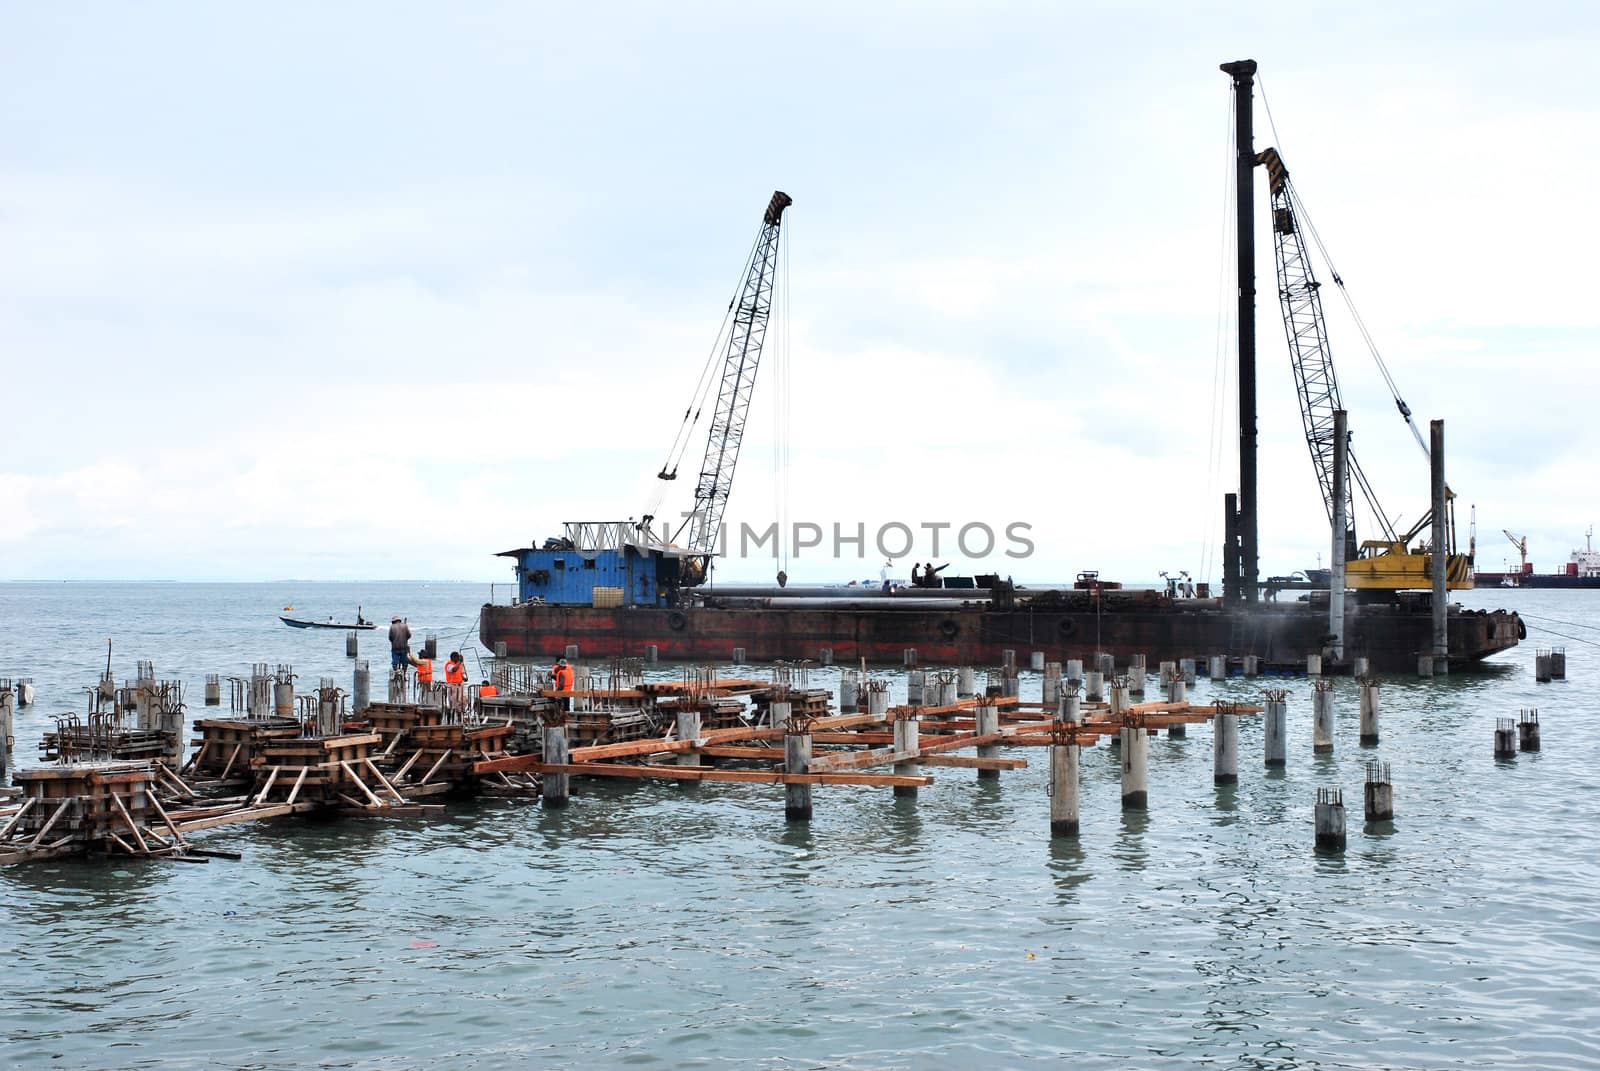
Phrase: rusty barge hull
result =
(1391, 637)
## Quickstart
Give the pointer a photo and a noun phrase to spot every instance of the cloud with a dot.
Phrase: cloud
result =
(388, 321)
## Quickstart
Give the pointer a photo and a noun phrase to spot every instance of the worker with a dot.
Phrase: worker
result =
(424, 666)
(561, 679)
(561, 676)
(399, 643)
(916, 574)
(930, 575)
(485, 691)
(883, 574)
(455, 682)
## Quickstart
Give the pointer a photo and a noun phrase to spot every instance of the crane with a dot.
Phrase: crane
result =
(1521, 543)
(1385, 564)
(750, 310)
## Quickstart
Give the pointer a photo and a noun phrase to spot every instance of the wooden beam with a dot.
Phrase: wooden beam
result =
(407, 767)
(715, 773)
(379, 775)
(134, 826)
(231, 759)
(435, 768)
(243, 814)
(376, 802)
(167, 818)
(272, 779)
(507, 763)
(974, 762)
(742, 734)
(26, 806)
(298, 781)
(39, 836)
(863, 737)
(750, 754)
(854, 760)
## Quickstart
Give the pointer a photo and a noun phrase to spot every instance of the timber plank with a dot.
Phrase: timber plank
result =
(715, 773)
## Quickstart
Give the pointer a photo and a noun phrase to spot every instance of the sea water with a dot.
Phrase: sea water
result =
(664, 924)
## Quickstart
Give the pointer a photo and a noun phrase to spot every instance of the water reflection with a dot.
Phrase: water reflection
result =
(904, 824)
(1384, 828)
(987, 805)
(1130, 852)
(1068, 867)
(1227, 805)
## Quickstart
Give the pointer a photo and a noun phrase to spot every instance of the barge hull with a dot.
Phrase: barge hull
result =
(1392, 638)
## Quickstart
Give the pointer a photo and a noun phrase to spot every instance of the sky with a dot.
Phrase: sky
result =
(373, 291)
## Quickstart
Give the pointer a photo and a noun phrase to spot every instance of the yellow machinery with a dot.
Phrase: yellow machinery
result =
(1385, 565)
(1396, 562)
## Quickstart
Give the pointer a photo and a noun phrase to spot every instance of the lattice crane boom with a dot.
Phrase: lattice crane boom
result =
(1390, 563)
(741, 360)
(1317, 387)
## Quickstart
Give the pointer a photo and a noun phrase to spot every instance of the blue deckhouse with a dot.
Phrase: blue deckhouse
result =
(603, 563)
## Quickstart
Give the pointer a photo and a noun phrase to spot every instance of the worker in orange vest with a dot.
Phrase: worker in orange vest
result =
(424, 666)
(561, 680)
(455, 682)
(485, 691)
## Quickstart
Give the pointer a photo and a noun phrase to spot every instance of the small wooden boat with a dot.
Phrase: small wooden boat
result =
(361, 623)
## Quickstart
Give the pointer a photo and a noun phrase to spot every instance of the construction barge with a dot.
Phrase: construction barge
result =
(1062, 624)
(618, 588)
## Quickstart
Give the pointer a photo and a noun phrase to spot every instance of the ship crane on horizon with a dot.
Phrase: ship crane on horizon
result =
(1521, 543)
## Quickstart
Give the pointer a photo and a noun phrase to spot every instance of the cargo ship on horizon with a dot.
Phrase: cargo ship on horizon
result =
(1582, 569)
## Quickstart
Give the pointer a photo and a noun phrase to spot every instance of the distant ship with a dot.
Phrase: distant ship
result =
(1582, 571)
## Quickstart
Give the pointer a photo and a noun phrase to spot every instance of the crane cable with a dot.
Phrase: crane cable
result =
(1220, 364)
(702, 388)
(1304, 217)
(1563, 635)
(781, 403)
(1558, 621)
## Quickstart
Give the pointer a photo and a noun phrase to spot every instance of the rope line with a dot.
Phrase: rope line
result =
(1563, 635)
(1558, 621)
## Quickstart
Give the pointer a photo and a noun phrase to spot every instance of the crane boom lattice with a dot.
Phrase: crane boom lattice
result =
(741, 361)
(1317, 387)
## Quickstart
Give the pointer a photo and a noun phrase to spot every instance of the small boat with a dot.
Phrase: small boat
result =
(296, 622)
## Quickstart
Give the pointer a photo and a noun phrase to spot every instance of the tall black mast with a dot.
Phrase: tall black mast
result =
(1247, 587)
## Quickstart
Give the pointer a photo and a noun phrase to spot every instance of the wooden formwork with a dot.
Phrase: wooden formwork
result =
(331, 771)
(441, 758)
(118, 744)
(803, 702)
(394, 722)
(524, 713)
(89, 806)
(227, 747)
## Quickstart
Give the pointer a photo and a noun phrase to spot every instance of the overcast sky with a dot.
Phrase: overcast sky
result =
(376, 290)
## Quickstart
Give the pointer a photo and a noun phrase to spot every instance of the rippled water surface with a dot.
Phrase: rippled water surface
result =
(663, 924)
